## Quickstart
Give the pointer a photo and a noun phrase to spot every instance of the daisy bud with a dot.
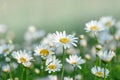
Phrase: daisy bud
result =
(37, 71)
(87, 56)
(81, 37)
(98, 47)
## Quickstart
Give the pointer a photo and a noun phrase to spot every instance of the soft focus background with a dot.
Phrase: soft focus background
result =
(52, 15)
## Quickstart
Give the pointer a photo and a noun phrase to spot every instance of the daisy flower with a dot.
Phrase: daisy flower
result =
(93, 26)
(75, 61)
(99, 72)
(33, 34)
(47, 40)
(6, 49)
(37, 71)
(53, 64)
(106, 56)
(62, 39)
(52, 77)
(68, 78)
(3, 28)
(6, 68)
(104, 37)
(44, 51)
(107, 21)
(23, 57)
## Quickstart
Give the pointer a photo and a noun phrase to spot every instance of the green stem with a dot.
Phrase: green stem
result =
(26, 74)
(4, 76)
(97, 60)
(95, 78)
(96, 38)
(110, 76)
(43, 66)
(105, 71)
(74, 73)
(10, 71)
(62, 74)
(22, 74)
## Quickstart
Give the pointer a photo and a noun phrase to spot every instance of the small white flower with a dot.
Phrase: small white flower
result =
(117, 35)
(62, 39)
(53, 64)
(51, 77)
(33, 34)
(104, 37)
(72, 50)
(6, 49)
(117, 25)
(78, 77)
(99, 72)
(68, 78)
(23, 57)
(107, 21)
(47, 40)
(83, 43)
(75, 61)
(37, 71)
(88, 56)
(44, 51)
(7, 59)
(93, 26)
(6, 68)
(3, 28)
(106, 56)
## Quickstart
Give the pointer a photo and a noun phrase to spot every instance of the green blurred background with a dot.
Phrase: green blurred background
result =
(52, 15)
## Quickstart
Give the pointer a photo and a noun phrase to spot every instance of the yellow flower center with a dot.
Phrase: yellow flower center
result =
(6, 50)
(23, 60)
(74, 63)
(99, 74)
(94, 28)
(5, 70)
(64, 40)
(52, 66)
(44, 52)
(108, 23)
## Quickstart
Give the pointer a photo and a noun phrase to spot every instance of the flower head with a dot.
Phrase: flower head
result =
(107, 21)
(99, 72)
(53, 64)
(62, 39)
(93, 26)
(6, 68)
(6, 49)
(44, 51)
(106, 56)
(68, 78)
(75, 61)
(23, 57)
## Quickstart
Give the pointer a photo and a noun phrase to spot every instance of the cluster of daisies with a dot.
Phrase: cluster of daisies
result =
(62, 56)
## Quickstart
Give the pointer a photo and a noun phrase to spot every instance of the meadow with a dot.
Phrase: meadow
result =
(61, 55)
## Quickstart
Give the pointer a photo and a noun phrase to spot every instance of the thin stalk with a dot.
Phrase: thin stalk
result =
(74, 73)
(96, 38)
(10, 71)
(43, 66)
(4, 76)
(110, 76)
(62, 74)
(79, 45)
(95, 78)
(97, 60)
(22, 75)
(100, 62)
(105, 71)
(26, 74)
